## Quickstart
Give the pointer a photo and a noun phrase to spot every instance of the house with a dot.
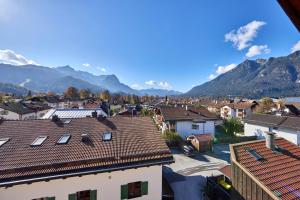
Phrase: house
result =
(237, 110)
(284, 126)
(85, 158)
(74, 113)
(22, 110)
(185, 120)
(265, 169)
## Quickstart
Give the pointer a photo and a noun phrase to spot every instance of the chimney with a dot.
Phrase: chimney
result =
(55, 118)
(101, 117)
(270, 138)
(186, 107)
(94, 114)
(85, 138)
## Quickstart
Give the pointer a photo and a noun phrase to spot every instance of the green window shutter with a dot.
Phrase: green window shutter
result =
(145, 188)
(124, 191)
(50, 198)
(72, 197)
(93, 195)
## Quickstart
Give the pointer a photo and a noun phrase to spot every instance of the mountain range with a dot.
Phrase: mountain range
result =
(45, 79)
(274, 77)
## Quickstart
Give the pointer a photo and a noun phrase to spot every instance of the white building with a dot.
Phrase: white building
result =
(22, 111)
(236, 110)
(82, 159)
(283, 126)
(186, 121)
(73, 113)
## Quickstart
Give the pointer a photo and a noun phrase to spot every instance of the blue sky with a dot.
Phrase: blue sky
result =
(173, 44)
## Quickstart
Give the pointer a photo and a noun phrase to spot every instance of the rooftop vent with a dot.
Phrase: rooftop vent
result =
(107, 136)
(254, 154)
(55, 118)
(85, 137)
(270, 137)
(1, 120)
(94, 114)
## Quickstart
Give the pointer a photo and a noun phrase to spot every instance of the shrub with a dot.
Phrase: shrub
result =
(172, 138)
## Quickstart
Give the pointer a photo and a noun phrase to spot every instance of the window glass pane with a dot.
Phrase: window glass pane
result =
(107, 136)
(39, 140)
(83, 195)
(3, 141)
(64, 139)
(134, 190)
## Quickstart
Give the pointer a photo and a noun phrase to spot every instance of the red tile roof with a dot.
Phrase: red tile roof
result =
(226, 170)
(279, 172)
(134, 140)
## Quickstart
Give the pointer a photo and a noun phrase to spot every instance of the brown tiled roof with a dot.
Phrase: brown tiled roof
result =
(203, 137)
(181, 114)
(134, 140)
(240, 105)
(274, 121)
(279, 172)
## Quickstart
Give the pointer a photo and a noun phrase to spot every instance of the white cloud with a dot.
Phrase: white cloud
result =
(86, 65)
(212, 76)
(151, 83)
(224, 69)
(296, 47)
(164, 85)
(242, 37)
(136, 86)
(257, 50)
(10, 57)
(101, 69)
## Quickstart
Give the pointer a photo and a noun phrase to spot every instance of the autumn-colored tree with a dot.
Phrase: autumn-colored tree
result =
(84, 93)
(105, 95)
(51, 94)
(71, 93)
(265, 105)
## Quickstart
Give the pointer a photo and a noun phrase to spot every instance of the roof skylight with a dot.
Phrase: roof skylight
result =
(67, 121)
(64, 139)
(39, 141)
(107, 136)
(3, 141)
(255, 154)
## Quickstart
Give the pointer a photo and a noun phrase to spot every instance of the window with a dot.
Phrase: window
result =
(107, 136)
(195, 126)
(133, 190)
(84, 195)
(64, 139)
(39, 141)
(67, 121)
(3, 141)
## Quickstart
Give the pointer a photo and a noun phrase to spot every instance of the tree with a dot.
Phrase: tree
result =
(105, 95)
(84, 93)
(232, 126)
(265, 105)
(51, 94)
(29, 94)
(71, 93)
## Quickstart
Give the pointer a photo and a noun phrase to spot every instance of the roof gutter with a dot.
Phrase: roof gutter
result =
(72, 174)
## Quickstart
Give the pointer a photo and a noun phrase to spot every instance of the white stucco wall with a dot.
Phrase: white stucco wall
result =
(10, 115)
(184, 128)
(108, 185)
(290, 135)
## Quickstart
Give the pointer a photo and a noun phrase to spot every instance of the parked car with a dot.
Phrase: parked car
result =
(188, 150)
